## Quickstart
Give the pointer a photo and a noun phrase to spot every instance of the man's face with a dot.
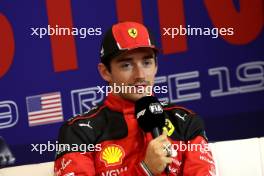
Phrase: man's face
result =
(136, 68)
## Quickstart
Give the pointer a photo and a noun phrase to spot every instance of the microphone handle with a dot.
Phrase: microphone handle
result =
(156, 132)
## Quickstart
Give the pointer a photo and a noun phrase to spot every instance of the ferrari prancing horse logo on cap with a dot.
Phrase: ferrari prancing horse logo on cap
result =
(132, 32)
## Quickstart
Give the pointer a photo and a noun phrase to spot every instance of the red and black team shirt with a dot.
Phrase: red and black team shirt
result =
(107, 141)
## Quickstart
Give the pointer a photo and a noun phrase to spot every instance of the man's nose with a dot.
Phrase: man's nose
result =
(139, 72)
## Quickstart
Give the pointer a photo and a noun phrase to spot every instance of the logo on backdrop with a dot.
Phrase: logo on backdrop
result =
(44, 109)
(84, 99)
(8, 114)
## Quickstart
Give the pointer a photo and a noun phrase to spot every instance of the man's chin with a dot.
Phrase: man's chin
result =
(134, 96)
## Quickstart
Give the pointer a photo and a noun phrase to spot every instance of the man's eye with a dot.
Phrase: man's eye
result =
(125, 65)
(148, 62)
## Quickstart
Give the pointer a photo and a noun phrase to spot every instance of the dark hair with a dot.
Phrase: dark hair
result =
(107, 62)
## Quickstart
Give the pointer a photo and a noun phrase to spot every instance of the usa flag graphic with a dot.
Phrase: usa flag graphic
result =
(44, 109)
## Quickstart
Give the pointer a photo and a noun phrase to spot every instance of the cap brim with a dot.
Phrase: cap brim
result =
(123, 51)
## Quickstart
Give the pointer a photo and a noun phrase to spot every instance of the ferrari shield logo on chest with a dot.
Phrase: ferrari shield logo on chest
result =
(132, 32)
(168, 127)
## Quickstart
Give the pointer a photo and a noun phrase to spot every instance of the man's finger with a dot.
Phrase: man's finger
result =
(165, 132)
(168, 160)
(163, 138)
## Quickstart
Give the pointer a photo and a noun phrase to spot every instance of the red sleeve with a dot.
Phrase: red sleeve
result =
(74, 164)
(198, 159)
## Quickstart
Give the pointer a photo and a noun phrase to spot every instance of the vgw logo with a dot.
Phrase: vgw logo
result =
(8, 114)
(84, 99)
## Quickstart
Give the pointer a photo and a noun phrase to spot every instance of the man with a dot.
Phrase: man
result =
(119, 146)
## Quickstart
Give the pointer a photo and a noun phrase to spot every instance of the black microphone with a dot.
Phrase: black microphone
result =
(150, 116)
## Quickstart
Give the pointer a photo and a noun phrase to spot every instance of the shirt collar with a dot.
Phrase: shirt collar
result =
(119, 104)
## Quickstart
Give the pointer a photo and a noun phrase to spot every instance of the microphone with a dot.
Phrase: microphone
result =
(150, 116)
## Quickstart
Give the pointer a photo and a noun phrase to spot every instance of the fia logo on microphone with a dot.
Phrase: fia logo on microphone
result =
(155, 108)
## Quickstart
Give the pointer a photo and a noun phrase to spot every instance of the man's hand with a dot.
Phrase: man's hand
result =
(156, 157)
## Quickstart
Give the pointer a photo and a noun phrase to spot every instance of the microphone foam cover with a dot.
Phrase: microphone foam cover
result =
(149, 113)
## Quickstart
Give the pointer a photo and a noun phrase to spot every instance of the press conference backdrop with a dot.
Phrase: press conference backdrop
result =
(46, 78)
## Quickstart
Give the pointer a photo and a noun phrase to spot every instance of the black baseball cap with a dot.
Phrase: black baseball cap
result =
(125, 36)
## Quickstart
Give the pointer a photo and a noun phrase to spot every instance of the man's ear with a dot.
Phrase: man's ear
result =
(104, 72)
(156, 69)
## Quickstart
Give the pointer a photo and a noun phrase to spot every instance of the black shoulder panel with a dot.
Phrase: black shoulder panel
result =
(183, 124)
(94, 127)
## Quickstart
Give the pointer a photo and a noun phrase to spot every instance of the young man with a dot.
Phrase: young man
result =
(115, 144)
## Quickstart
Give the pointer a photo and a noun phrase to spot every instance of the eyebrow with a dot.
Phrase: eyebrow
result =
(126, 59)
(123, 59)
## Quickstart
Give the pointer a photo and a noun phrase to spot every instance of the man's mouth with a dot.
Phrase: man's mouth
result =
(140, 85)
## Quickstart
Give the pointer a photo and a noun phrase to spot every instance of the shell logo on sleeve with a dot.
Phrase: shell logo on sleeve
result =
(112, 155)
